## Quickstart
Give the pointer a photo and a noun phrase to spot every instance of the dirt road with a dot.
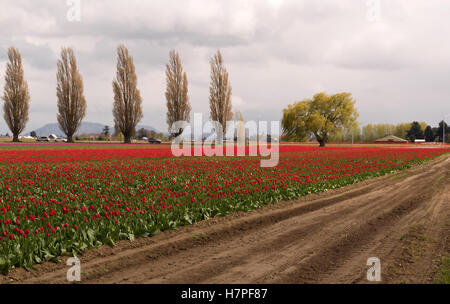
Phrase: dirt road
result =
(403, 219)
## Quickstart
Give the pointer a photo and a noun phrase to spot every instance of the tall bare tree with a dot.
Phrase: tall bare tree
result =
(69, 90)
(127, 108)
(16, 96)
(178, 106)
(219, 93)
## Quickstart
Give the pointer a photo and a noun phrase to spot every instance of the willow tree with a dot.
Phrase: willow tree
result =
(69, 90)
(127, 109)
(219, 93)
(178, 106)
(322, 116)
(16, 96)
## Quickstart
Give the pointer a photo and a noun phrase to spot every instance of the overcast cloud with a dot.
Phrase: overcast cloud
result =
(276, 51)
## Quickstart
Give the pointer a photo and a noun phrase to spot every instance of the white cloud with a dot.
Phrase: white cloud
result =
(276, 51)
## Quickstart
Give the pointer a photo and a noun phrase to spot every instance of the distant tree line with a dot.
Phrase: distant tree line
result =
(106, 135)
(127, 104)
(409, 131)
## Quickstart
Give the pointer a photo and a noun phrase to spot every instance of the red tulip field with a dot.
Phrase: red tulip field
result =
(64, 201)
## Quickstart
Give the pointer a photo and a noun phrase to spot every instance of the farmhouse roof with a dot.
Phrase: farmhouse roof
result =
(392, 138)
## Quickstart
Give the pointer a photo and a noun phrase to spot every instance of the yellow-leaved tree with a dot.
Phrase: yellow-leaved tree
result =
(322, 116)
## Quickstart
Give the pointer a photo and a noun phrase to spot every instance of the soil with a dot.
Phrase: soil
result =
(402, 218)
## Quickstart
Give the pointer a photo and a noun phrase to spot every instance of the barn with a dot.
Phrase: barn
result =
(391, 139)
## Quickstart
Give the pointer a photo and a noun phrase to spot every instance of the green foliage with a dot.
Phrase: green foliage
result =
(294, 122)
(444, 272)
(443, 125)
(415, 132)
(151, 195)
(371, 132)
(322, 116)
(106, 131)
(429, 134)
(401, 129)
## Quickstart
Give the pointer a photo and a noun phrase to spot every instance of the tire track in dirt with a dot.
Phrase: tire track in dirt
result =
(318, 238)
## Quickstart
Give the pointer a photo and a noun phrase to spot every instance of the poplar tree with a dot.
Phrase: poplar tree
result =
(16, 96)
(127, 109)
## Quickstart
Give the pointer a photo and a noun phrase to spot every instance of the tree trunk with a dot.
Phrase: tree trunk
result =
(127, 139)
(220, 137)
(70, 138)
(322, 143)
(15, 137)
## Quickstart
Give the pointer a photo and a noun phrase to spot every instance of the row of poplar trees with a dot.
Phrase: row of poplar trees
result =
(127, 108)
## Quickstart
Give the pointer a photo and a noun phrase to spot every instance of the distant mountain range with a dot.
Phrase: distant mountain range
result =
(85, 128)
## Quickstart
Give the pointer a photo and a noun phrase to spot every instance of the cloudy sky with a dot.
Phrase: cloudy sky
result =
(396, 64)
